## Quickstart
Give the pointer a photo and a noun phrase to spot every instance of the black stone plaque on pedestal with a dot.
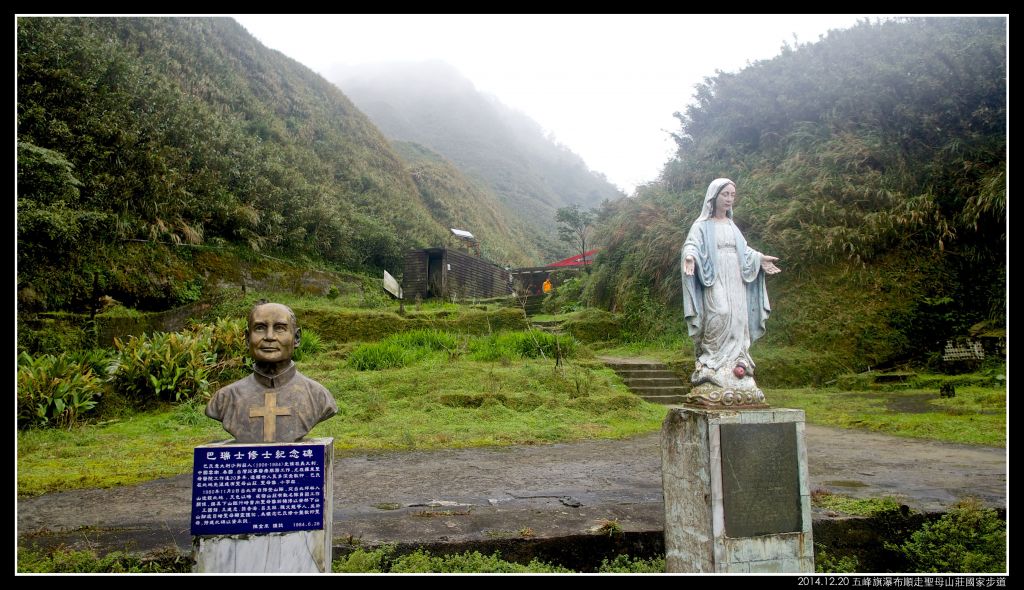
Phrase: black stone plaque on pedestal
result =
(760, 479)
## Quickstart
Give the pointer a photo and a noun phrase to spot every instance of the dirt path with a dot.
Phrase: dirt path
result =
(509, 492)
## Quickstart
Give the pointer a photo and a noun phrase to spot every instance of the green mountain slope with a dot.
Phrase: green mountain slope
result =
(456, 201)
(872, 162)
(432, 104)
(143, 140)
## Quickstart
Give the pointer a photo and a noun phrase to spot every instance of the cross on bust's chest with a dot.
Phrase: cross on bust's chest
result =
(269, 412)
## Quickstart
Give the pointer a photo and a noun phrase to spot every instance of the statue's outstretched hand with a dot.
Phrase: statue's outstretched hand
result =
(688, 266)
(768, 265)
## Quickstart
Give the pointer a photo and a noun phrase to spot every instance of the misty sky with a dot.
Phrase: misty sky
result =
(605, 86)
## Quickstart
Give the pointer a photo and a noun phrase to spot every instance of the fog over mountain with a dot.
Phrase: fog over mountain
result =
(432, 104)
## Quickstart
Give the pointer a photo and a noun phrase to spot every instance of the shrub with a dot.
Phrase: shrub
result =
(55, 390)
(468, 562)
(164, 366)
(827, 563)
(566, 298)
(183, 365)
(227, 337)
(626, 565)
(54, 335)
(594, 325)
(968, 539)
(362, 561)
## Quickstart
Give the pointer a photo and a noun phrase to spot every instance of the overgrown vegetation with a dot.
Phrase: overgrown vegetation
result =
(826, 562)
(385, 560)
(507, 346)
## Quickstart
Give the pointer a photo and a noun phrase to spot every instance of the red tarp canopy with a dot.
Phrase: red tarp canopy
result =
(576, 260)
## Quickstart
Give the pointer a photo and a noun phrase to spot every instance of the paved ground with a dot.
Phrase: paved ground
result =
(500, 493)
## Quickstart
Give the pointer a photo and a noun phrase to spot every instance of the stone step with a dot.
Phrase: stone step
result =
(671, 380)
(620, 367)
(658, 391)
(651, 381)
(646, 374)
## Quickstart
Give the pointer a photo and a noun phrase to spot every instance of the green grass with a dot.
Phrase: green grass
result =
(438, 403)
(853, 506)
(384, 560)
(977, 415)
(381, 560)
(667, 350)
(554, 317)
(60, 560)
(132, 450)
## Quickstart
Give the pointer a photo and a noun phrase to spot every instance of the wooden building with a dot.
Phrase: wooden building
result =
(446, 273)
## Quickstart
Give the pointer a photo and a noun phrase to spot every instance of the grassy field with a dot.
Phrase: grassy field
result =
(977, 415)
(437, 402)
(476, 394)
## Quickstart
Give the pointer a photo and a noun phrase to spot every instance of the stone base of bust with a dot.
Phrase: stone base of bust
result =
(709, 395)
(295, 552)
(304, 551)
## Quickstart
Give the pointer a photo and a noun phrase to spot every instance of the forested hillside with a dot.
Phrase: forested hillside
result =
(457, 201)
(144, 140)
(873, 163)
(432, 104)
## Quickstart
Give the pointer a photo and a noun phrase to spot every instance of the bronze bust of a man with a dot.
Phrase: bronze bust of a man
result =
(276, 403)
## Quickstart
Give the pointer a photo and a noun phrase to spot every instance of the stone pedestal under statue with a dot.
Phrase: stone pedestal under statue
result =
(736, 491)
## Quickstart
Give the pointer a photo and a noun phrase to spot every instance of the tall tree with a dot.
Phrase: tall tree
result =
(574, 227)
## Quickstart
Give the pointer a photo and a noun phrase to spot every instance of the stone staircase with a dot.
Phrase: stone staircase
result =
(549, 326)
(532, 304)
(651, 380)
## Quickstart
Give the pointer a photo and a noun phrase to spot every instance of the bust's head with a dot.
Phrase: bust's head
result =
(272, 333)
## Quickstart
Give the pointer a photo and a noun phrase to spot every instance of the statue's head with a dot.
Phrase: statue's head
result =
(711, 197)
(273, 333)
(725, 199)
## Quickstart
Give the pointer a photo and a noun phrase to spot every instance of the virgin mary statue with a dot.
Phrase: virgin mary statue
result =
(725, 302)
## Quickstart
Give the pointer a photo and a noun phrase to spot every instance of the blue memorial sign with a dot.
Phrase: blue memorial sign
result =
(257, 488)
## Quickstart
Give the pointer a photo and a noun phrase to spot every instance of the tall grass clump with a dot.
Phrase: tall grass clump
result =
(310, 344)
(428, 338)
(516, 345)
(402, 349)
